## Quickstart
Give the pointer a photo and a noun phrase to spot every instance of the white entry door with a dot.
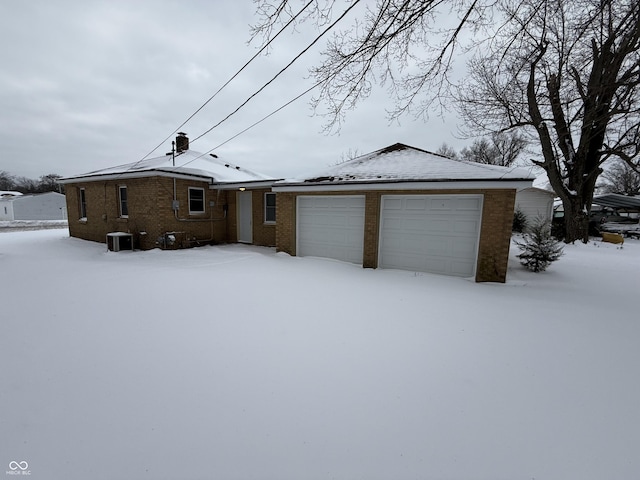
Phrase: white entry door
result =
(245, 217)
(331, 226)
(430, 233)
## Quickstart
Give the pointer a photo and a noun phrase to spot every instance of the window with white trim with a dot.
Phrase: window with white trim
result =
(269, 207)
(122, 200)
(196, 200)
(82, 202)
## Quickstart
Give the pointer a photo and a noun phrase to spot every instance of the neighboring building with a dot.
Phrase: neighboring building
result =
(173, 201)
(405, 208)
(41, 206)
(535, 203)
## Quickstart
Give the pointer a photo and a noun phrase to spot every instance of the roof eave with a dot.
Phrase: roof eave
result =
(249, 184)
(141, 174)
(405, 184)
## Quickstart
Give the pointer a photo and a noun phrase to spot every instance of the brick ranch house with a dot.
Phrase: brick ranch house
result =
(174, 201)
(398, 207)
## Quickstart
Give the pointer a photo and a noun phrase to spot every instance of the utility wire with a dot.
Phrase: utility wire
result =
(280, 72)
(266, 117)
(264, 47)
(297, 97)
(306, 49)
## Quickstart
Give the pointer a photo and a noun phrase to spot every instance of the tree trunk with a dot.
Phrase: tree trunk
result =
(576, 223)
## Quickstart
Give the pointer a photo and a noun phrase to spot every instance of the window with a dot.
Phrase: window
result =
(196, 200)
(83, 204)
(269, 208)
(124, 205)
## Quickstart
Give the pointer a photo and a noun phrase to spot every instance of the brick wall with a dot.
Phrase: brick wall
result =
(150, 212)
(286, 225)
(495, 235)
(264, 234)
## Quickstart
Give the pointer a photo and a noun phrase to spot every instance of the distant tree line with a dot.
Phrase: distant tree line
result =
(46, 183)
(498, 149)
(621, 178)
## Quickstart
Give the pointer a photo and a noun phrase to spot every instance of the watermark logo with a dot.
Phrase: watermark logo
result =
(18, 468)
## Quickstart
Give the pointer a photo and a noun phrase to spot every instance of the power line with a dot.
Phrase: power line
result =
(266, 117)
(262, 49)
(305, 50)
(297, 97)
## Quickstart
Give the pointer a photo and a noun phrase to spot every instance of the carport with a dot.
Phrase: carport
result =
(623, 203)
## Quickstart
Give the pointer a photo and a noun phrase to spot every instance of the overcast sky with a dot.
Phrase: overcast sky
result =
(89, 84)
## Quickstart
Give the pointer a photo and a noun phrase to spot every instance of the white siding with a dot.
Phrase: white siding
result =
(534, 203)
(6, 209)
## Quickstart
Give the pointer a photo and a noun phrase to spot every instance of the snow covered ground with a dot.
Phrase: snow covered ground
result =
(235, 362)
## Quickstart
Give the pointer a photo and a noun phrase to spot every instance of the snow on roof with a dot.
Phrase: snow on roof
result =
(401, 162)
(9, 194)
(189, 163)
(616, 200)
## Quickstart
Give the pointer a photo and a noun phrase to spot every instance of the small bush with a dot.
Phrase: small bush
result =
(519, 221)
(539, 248)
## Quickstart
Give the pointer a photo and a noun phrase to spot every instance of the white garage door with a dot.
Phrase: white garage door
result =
(430, 233)
(331, 226)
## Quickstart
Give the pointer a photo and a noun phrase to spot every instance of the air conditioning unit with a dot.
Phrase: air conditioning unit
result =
(117, 241)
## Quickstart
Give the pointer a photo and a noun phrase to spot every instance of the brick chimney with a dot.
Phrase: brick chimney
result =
(182, 142)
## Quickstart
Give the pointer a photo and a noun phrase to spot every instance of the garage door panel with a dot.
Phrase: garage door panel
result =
(435, 265)
(460, 246)
(441, 205)
(416, 204)
(431, 233)
(437, 247)
(462, 269)
(393, 204)
(391, 223)
(469, 204)
(337, 221)
(466, 226)
(438, 225)
(331, 226)
(356, 221)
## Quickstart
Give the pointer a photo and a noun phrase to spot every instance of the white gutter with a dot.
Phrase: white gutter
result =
(141, 174)
(238, 185)
(420, 185)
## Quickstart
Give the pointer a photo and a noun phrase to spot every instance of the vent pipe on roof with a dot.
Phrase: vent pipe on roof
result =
(182, 142)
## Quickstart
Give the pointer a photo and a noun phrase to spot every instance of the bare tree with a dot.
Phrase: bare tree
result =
(400, 44)
(507, 147)
(7, 181)
(26, 185)
(564, 73)
(447, 151)
(567, 73)
(46, 183)
(499, 149)
(348, 155)
(49, 183)
(621, 178)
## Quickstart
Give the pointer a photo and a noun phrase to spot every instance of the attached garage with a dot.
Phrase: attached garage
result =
(331, 227)
(430, 233)
(404, 208)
